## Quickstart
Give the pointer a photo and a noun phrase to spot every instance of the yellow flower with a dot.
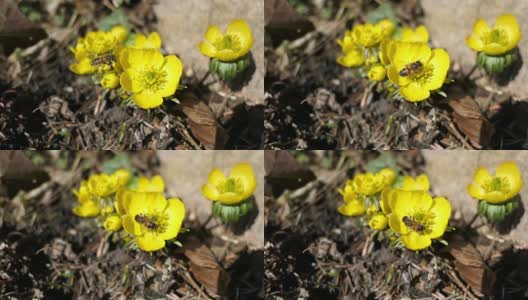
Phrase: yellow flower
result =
(504, 36)
(152, 219)
(104, 185)
(153, 41)
(352, 52)
(112, 223)
(503, 186)
(237, 187)
(368, 35)
(378, 222)
(99, 42)
(87, 209)
(83, 63)
(420, 35)
(155, 184)
(369, 184)
(377, 73)
(429, 75)
(234, 44)
(419, 218)
(421, 183)
(386, 51)
(388, 174)
(123, 176)
(110, 80)
(354, 204)
(149, 76)
(120, 33)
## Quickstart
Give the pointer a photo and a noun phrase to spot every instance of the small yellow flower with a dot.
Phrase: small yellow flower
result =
(110, 80)
(504, 36)
(104, 185)
(155, 184)
(234, 44)
(99, 42)
(112, 223)
(377, 73)
(87, 209)
(419, 35)
(368, 35)
(369, 184)
(354, 204)
(237, 187)
(378, 222)
(429, 76)
(419, 218)
(153, 41)
(120, 33)
(421, 183)
(83, 63)
(503, 186)
(123, 176)
(352, 52)
(388, 174)
(152, 219)
(149, 76)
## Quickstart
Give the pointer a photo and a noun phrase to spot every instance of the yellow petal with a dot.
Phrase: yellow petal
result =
(378, 222)
(207, 49)
(227, 55)
(241, 29)
(112, 223)
(508, 23)
(351, 59)
(440, 62)
(210, 192)
(146, 202)
(482, 176)
(87, 209)
(128, 83)
(231, 198)
(422, 35)
(216, 177)
(352, 209)
(131, 226)
(394, 76)
(406, 53)
(396, 223)
(423, 182)
(83, 67)
(244, 173)
(175, 212)
(173, 68)
(407, 202)
(120, 33)
(147, 100)
(496, 197)
(415, 241)
(442, 211)
(141, 58)
(510, 171)
(150, 242)
(153, 41)
(213, 33)
(495, 49)
(415, 92)
(481, 28)
(474, 43)
(476, 191)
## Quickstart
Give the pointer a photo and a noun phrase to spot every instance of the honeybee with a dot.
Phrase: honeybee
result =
(413, 224)
(104, 60)
(411, 68)
(146, 221)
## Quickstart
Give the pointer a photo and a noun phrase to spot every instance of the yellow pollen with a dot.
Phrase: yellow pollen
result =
(230, 42)
(153, 80)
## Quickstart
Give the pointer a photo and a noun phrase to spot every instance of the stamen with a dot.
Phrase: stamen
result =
(231, 42)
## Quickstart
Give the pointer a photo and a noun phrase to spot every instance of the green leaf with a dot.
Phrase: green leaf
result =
(384, 11)
(117, 17)
(120, 161)
(385, 160)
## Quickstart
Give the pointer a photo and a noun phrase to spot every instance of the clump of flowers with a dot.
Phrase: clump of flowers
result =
(136, 67)
(229, 52)
(232, 195)
(136, 209)
(498, 193)
(401, 210)
(404, 65)
(496, 47)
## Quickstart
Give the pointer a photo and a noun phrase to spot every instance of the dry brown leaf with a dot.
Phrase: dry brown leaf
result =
(203, 123)
(15, 29)
(205, 268)
(470, 266)
(283, 22)
(17, 172)
(469, 119)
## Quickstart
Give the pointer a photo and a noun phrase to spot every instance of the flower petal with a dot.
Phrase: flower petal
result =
(244, 173)
(210, 192)
(508, 23)
(474, 42)
(442, 211)
(173, 67)
(482, 176)
(476, 191)
(415, 92)
(131, 226)
(440, 62)
(175, 212)
(481, 28)
(415, 241)
(396, 223)
(406, 53)
(207, 49)
(510, 171)
(213, 33)
(150, 242)
(146, 99)
(216, 177)
(241, 29)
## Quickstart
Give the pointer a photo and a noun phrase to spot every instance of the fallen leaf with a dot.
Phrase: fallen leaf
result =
(205, 268)
(469, 119)
(17, 172)
(203, 123)
(284, 172)
(470, 266)
(15, 29)
(283, 22)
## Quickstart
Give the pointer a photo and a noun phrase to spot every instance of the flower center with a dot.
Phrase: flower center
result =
(229, 41)
(497, 36)
(421, 221)
(153, 80)
(153, 222)
(497, 184)
(231, 185)
(418, 72)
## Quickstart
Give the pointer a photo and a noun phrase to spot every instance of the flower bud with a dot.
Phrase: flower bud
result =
(112, 223)
(378, 222)
(110, 81)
